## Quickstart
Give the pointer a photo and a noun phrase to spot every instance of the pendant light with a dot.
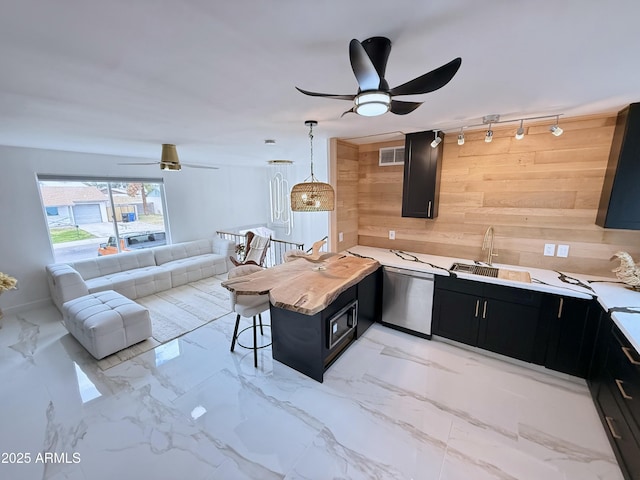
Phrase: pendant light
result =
(312, 195)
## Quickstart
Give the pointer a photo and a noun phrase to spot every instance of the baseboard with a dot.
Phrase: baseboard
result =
(45, 302)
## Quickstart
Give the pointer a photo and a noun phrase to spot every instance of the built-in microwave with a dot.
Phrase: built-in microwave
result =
(342, 324)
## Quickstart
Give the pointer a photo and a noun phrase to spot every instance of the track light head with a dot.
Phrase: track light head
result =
(489, 135)
(520, 131)
(556, 130)
(461, 138)
(436, 140)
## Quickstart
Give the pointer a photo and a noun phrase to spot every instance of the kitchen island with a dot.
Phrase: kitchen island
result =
(317, 308)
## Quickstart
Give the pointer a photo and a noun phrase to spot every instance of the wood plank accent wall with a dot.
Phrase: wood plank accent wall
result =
(345, 165)
(542, 189)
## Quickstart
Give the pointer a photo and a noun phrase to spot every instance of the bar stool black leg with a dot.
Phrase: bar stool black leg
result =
(235, 333)
(255, 344)
(260, 317)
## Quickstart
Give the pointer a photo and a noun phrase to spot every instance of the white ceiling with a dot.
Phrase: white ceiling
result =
(217, 78)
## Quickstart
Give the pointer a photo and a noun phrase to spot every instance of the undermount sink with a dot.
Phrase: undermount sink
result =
(474, 269)
(502, 273)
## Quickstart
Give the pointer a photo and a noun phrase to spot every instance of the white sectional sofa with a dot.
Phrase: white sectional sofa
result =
(142, 272)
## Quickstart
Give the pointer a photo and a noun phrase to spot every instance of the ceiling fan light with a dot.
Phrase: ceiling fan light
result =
(372, 104)
(168, 166)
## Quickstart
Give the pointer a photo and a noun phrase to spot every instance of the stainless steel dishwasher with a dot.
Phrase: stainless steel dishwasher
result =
(407, 300)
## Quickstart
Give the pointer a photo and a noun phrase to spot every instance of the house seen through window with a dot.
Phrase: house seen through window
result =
(93, 217)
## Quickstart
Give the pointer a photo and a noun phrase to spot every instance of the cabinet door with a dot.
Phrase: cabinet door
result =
(456, 316)
(369, 301)
(508, 328)
(421, 176)
(572, 333)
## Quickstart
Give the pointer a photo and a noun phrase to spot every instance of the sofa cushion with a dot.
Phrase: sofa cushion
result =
(101, 266)
(134, 283)
(190, 269)
(180, 251)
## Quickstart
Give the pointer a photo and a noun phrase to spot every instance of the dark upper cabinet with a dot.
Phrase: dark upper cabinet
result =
(572, 324)
(620, 198)
(422, 165)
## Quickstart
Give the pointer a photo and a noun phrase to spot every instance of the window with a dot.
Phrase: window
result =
(87, 217)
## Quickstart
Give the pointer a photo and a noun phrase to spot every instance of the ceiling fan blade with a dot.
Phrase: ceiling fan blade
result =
(402, 108)
(429, 82)
(140, 163)
(363, 68)
(327, 95)
(351, 110)
(195, 165)
(378, 49)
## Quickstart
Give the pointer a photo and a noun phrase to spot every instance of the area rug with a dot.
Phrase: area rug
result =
(176, 312)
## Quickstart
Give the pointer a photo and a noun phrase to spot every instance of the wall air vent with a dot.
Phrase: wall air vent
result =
(391, 156)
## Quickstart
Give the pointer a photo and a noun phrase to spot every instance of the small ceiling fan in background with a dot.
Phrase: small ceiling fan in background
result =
(369, 62)
(169, 160)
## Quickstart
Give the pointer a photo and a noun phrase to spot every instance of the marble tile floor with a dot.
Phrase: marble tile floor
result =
(393, 406)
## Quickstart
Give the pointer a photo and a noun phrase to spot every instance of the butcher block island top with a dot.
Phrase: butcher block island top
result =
(303, 286)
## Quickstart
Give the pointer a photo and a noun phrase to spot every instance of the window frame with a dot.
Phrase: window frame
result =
(109, 181)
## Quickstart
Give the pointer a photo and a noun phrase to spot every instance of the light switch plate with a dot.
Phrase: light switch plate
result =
(341, 237)
(549, 249)
(563, 251)
(392, 234)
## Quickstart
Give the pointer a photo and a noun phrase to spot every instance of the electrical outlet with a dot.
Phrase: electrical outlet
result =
(563, 251)
(341, 237)
(549, 249)
(392, 234)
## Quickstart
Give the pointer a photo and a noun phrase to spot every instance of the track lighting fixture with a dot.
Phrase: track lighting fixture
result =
(494, 119)
(436, 140)
(520, 131)
(555, 129)
(489, 135)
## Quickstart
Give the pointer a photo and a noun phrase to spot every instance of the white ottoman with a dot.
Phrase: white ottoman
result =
(106, 322)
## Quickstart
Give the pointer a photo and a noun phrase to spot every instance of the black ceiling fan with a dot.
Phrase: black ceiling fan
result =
(374, 97)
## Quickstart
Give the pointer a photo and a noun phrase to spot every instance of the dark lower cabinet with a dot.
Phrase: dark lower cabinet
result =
(572, 324)
(614, 382)
(369, 293)
(454, 317)
(311, 343)
(496, 318)
(509, 329)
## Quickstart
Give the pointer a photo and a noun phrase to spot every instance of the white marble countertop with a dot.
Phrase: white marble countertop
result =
(622, 303)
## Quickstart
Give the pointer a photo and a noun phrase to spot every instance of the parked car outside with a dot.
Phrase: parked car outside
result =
(133, 241)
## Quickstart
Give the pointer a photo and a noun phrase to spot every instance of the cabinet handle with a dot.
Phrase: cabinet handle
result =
(429, 209)
(477, 307)
(627, 352)
(609, 421)
(560, 307)
(484, 310)
(622, 392)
